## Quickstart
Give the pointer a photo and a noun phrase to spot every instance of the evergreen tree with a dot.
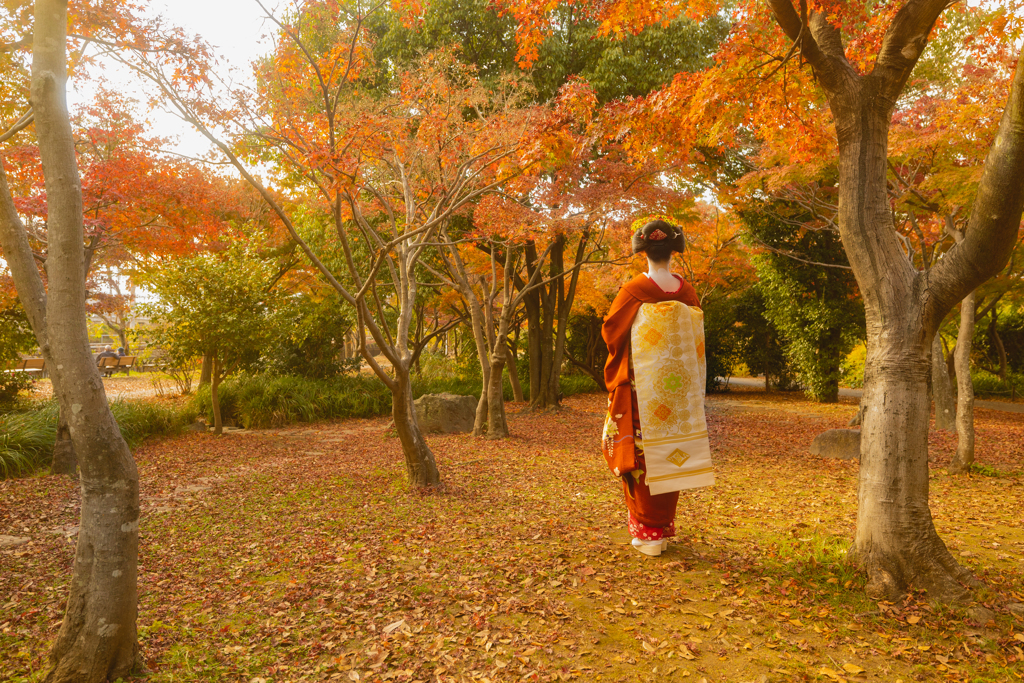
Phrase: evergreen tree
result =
(815, 307)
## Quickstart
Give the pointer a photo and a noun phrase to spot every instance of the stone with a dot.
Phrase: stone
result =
(445, 413)
(12, 541)
(842, 444)
(1016, 608)
(981, 615)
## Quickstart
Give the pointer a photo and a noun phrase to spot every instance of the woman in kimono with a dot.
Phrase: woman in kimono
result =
(651, 517)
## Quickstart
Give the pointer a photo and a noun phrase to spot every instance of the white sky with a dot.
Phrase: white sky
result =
(236, 30)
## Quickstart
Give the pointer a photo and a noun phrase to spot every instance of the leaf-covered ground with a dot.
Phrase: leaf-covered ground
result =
(301, 555)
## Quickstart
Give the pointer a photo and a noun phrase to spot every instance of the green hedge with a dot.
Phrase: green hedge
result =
(261, 401)
(27, 437)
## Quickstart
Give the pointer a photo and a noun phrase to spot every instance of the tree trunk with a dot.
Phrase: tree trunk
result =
(207, 372)
(942, 390)
(513, 375)
(419, 459)
(896, 542)
(964, 457)
(997, 344)
(551, 312)
(497, 425)
(97, 639)
(64, 460)
(215, 376)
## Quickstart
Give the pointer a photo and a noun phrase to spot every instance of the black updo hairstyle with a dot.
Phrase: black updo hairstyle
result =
(658, 239)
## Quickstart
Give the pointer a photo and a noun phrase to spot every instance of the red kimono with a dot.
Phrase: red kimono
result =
(650, 517)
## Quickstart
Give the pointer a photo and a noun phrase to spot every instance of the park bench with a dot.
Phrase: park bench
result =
(31, 366)
(109, 366)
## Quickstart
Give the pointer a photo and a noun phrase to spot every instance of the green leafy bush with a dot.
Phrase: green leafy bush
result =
(852, 367)
(987, 385)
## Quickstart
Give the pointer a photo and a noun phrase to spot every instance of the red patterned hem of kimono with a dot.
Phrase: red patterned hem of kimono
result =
(638, 529)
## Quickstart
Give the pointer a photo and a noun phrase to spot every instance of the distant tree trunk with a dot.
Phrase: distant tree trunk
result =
(942, 391)
(216, 377)
(64, 459)
(97, 640)
(964, 457)
(997, 344)
(547, 312)
(513, 374)
(497, 425)
(206, 373)
(831, 366)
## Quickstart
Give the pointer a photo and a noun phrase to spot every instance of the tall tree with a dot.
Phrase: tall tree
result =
(388, 171)
(860, 60)
(97, 639)
(810, 292)
(896, 540)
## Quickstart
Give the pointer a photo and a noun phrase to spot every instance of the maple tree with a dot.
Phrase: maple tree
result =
(387, 170)
(860, 61)
(98, 633)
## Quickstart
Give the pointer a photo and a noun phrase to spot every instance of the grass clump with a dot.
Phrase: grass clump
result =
(27, 436)
(26, 439)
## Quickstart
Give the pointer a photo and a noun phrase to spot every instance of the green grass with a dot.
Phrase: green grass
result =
(27, 437)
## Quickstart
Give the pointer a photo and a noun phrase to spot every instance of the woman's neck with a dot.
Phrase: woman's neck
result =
(662, 276)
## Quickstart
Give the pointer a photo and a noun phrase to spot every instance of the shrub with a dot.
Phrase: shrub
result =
(577, 384)
(261, 401)
(851, 370)
(987, 385)
(27, 438)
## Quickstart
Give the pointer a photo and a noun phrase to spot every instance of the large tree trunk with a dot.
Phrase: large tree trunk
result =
(942, 390)
(419, 459)
(896, 542)
(964, 457)
(97, 639)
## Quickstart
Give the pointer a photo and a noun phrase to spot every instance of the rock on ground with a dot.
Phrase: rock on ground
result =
(981, 615)
(13, 541)
(445, 413)
(843, 444)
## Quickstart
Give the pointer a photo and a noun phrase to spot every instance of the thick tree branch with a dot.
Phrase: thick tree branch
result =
(904, 41)
(21, 261)
(995, 218)
(829, 67)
